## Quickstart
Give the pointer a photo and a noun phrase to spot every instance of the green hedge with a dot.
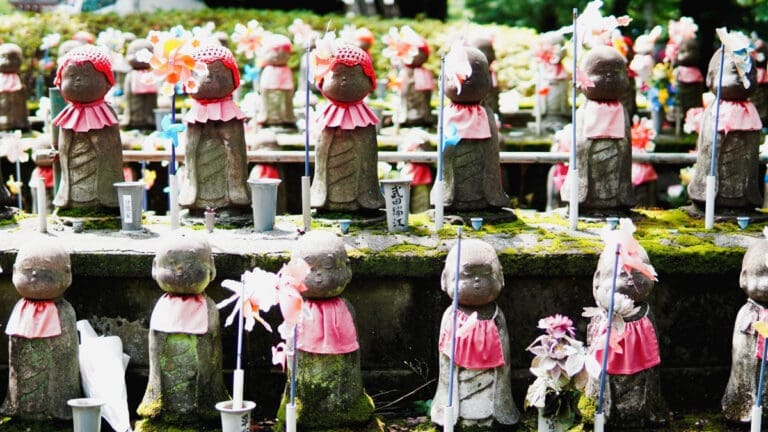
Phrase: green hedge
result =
(27, 29)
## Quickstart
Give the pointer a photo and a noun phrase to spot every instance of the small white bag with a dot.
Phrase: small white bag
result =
(102, 369)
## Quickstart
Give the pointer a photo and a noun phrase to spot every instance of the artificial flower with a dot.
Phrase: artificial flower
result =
(402, 45)
(50, 40)
(13, 147)
(457, 66)
(290, 286)
(248, 38)
(148, 178)
(279, 355)
(593, 29)
(170, 130)
(302, 32)
(257, 288)
(111, 38)
(13, 186)
(738, 49)
(557, 325)
(321, 58)
(642, 134)
(684, 28)
(629, 248)
(171, 59)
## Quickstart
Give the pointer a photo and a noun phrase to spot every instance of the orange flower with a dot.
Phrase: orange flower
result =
(171, 59)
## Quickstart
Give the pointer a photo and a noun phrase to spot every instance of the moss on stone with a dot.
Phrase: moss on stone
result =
(8, 424)
(149, 425)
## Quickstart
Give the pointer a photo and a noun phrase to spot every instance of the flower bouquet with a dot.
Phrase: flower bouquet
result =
(562, 367)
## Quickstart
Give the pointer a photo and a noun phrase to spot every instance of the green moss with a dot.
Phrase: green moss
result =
(148, 425)
(8, 424)
(89, 212)
(587, 407)
(687, 240)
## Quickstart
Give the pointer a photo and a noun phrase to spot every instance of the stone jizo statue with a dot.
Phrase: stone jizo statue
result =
(417, 86)
(13, 95)
(346, 153)
(276, 83)
(603, 143)
(471, 169)
(482, 381)
(739, 139)
(90, 150)
(216, 162)
(43, 369)
(141, 95)
(185, 354)
(329, 385)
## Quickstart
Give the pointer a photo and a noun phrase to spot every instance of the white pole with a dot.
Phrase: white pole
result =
(173, 183)
(709, 210)
(448, 418)
(757, 419)
(290, 418)
(42, 206)
(599, 422)
(306, 210)
(573, 171)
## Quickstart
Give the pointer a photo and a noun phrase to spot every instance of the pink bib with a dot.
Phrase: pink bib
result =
(640, 348)
(140, 84)
(180, 314)
(603, 119)
(762, 76)
(9, 82)
(559, 174)
(205, 110)
(347, 116)
(34, 319)
(329, 329)
(471, 121)
(762, 316)
(84, 117)
(738, 116)
(688, 74)
(276, 78)
(423, 79)
(480, 348)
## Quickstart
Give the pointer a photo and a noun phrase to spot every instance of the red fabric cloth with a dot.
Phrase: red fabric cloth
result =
(96, 56)
(471, 121)
(180, 314)
(604, 119)
(329, 328)
(347, 116)
(205, 110)
(423, 79)
(558, 177)
(141, 82)
(262, 171)
(84, 117)
(46, 173)
(212, 52)
(34, 319)
(420, 174)
(738, 116)
(351, 55)
(9, 82)
(643, 173)
(478, 349)
(762, 76)
(640, 348)
(688, 74)
(276, 78)
(554, 72)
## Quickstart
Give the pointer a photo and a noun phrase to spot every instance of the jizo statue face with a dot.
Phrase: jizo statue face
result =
(10, 58)
(82, 83)
(480, 276)
(42, 271)
(327, 258)
(346, 83)
(754, 272)
(218, 84)
(184, 265)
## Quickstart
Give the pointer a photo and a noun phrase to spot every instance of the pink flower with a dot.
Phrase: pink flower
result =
(278, 355)
(290, 286)
(630, 251)
(13, 147)
(457, 66)
(582, 80)
(557, 325)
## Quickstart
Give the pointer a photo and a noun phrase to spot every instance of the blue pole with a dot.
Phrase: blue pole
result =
(713, 162)
(762, 375)
(440, 123)
(18, 180)
(306, 115)
(454, 310)
(603, 370)
(294, 364)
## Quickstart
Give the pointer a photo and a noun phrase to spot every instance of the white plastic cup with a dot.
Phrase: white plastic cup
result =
(235, 420)
(397, 196)
(264, 203)
(129, 195)
(86, 414)
(344, 225)
(477, 223)
(742, 221)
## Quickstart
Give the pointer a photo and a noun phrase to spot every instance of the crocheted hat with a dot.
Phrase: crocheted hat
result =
(350, 55)
(210, 53)
(86, 53)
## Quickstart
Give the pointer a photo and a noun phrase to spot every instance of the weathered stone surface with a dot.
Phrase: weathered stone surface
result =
(43, 374)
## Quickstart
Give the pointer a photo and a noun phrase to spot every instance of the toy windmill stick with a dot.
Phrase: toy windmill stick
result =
(709, 210)
(306, 211)
(448, 419)
(757, 408)
(573, 170)
(173, 181)
(599, 414)
(238, 375)
(439, 184)
(290, 409)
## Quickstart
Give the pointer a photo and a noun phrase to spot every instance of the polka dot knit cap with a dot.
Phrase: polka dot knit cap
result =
(87, 53)
(351, 55)
(210, 53)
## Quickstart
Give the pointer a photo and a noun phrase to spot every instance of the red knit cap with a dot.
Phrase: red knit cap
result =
(351, 55)
(87, 53)
(210, 53)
